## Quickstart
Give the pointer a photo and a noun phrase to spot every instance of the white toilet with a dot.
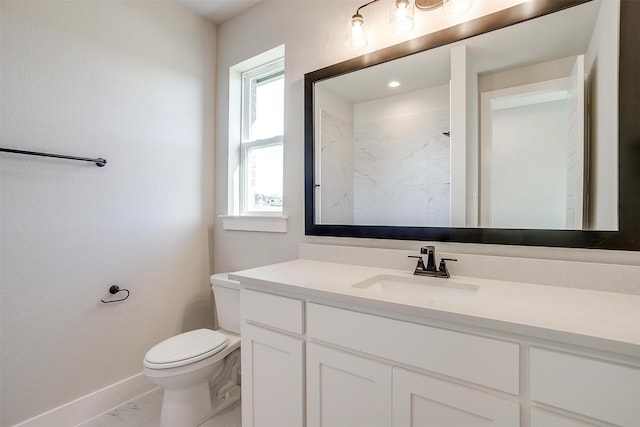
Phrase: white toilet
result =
(199, 370)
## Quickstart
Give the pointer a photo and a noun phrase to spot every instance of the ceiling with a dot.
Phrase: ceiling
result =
(217, 11)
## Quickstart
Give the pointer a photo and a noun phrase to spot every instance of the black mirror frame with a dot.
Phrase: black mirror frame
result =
(628, 236)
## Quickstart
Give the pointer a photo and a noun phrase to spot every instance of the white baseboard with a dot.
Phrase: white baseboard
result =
(92, 404)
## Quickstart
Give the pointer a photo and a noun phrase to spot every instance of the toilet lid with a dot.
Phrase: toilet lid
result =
(185, 348)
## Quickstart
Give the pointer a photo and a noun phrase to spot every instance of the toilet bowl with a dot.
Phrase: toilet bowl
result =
(199, 369)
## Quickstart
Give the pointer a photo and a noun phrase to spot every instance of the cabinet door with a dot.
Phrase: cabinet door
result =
(422, 401)
(273, 386)
(345, 390)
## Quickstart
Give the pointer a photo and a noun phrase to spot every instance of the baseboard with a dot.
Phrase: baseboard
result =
(92, 404)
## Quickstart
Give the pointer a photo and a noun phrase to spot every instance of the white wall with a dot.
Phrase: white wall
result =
(132, 82)
(528, 74)
(464, 138)
(601, 65)
(529, 166)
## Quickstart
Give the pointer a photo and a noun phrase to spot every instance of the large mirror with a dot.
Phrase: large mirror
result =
(501, 130)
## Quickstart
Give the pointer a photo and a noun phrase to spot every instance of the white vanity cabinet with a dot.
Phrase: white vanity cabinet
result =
(272, 360)
(316, 364)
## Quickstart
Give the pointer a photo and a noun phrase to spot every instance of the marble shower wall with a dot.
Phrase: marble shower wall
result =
(336, 166)
(401, 168)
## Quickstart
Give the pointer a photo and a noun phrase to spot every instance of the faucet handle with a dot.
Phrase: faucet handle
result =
(443, 265)
(420, 266)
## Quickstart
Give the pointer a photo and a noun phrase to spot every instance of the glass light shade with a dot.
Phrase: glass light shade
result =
(401, 17)
(453, 7)
(357, 36)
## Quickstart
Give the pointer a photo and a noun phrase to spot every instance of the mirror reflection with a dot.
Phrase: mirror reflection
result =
(516, 128)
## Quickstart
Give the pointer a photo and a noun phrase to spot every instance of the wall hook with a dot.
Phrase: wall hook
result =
(114, 289)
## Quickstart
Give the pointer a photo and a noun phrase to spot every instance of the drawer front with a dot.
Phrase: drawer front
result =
(598, 389)
(479, 360)
(272, 310)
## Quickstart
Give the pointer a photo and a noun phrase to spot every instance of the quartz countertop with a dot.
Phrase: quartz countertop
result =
(604, 320)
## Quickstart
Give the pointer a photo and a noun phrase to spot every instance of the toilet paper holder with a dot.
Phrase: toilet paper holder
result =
(114, 289)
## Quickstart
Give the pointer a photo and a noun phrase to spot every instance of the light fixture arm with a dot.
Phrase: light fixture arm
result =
(401, 17)
(365, 5)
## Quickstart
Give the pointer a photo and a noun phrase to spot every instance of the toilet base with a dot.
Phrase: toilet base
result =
(219, 404)
(196, 411)
(186, 407)
(225, 387)
(192, 405)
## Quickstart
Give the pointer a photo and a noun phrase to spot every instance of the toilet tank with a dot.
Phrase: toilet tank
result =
(227, 296)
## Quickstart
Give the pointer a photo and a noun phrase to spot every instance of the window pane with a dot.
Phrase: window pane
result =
(268, 104)
(264, 179)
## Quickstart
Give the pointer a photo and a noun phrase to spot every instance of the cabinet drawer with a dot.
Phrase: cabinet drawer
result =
(594, 388)
(479, 360)
(272, 310)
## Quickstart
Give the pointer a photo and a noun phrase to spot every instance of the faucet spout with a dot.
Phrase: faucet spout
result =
(430, 251)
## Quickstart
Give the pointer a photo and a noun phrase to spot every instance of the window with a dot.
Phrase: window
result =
(261, 147)
(255, 138)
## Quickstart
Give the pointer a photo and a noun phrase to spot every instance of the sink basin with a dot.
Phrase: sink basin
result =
(419, 287)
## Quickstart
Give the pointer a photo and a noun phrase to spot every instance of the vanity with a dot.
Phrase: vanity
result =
(333, 344)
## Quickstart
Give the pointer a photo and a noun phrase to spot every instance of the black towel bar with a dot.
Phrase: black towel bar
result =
(99, 161)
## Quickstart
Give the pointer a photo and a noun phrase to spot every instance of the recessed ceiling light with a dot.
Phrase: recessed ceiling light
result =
(394, 84)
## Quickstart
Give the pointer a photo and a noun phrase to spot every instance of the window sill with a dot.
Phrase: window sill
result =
(266, 224)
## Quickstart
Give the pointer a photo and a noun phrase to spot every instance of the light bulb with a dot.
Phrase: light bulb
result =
(401, 17)
(357, 37)
(453, 7)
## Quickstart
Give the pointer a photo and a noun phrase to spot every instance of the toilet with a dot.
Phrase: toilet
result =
(199, 370)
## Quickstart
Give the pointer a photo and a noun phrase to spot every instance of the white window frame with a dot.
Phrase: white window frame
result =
(235, 219)
(272, 69)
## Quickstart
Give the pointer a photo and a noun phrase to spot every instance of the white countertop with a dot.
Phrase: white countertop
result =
(605, 320)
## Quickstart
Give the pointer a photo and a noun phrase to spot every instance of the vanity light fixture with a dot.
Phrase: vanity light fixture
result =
(401, 17)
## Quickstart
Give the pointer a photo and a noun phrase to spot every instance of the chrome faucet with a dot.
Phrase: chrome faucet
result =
(430, 269)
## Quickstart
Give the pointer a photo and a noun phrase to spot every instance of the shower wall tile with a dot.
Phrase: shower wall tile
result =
(401, 169)
(336, 166)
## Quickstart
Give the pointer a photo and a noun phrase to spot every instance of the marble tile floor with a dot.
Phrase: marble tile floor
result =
(144, 411)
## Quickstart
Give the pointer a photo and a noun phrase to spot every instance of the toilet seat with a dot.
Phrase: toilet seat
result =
(185, 349)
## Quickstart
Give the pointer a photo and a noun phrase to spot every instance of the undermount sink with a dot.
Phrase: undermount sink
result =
(419, 286)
